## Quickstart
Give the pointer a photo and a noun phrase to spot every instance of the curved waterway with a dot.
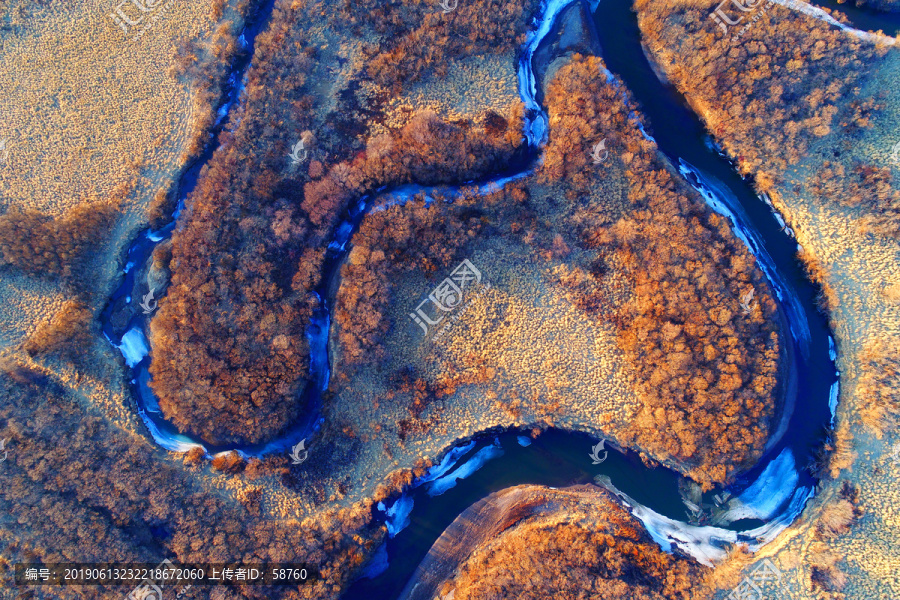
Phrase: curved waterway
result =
(753, 510)
(764, 500)
(864, 17)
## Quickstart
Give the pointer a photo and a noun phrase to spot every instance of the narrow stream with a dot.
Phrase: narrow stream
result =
(771, 495)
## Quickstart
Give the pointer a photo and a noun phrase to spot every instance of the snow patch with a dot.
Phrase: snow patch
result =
(173, 442)
(770, 490)
(447, 463)
(134, 346)
(833, 394)
(536, 128)
(397, 515)
(439, 486)
(708, 544)
(817, 13)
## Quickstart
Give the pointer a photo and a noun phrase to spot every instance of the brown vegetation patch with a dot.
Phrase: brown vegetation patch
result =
(787, 68)
(400, 239)
(84, 491)
(699, 328)
(866, 186)
(239, 299)
(55, 247)
(418, 37)
(69, 333)
(879, 385)
(535, 543)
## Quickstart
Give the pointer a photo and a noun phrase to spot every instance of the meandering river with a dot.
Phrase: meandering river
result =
(765, 500)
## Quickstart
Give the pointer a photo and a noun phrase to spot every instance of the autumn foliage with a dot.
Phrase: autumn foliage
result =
(768, 96)
(419, 38)
(85, 491)
(58, 247)
(606, 555)
(230, 356)
(414, 236)
(68, 334)
(699, 327)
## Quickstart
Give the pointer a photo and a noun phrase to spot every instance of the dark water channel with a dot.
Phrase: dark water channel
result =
(557, 458)
(778, 486)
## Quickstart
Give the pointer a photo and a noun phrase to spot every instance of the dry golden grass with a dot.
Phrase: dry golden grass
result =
(530, 542)
(879, 384)
(471, 86)
(836, 519)
(91, 115)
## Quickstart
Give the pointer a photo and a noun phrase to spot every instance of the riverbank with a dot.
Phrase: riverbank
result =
(60, 153)
(534, 336)
(858, 269)
(531, 542)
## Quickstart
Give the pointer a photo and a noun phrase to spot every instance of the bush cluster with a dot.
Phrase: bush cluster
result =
(418, 37)
(699, 326)
(230, 356)
(788, 70)
(84, 491)
(59, 247)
